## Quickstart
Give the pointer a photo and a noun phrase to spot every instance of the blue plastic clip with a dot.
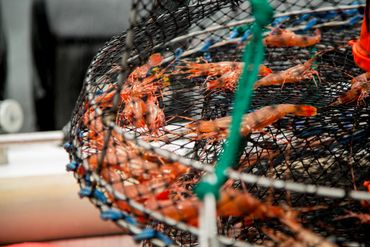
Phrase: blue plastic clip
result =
(150, 233)
(205, 48)
(350, 12)
(68, 146)
(355, 19)
(311, 23)
(114, 214)
(207, 44)
(246, 35)
(85, 192)
(234, 34)
(100, 196)
(71, 167)
(88, 191)
(302, 18)
(279, 20)
(328, 15)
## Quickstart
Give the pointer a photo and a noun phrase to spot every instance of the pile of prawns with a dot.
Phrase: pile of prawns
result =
(154, 181)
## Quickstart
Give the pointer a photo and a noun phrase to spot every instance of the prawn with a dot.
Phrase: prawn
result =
(142, 71)
(292, 75)
(228, 73)
(231, 203)
(133, 112)
(256, 120)
(217, 68)
(360, 89)
(305, 236)
(155, 187)
(363, 217)
(154, 116)
(229, 80)
(285, 38)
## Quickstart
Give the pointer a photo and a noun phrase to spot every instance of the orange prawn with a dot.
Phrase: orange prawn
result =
(363, 217)
(134, 112)
(367, 185)
(142, 71)
(232, 203)
(253, 121)
(153, 182)
(133, 162)
(154, 117)
(228, 73)
(217, 69)
(285, 38)
(229, 80)
(292, 75)
(360, 89)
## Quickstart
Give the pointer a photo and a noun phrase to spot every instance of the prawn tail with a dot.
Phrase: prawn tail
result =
(264, 70)
(305, 111)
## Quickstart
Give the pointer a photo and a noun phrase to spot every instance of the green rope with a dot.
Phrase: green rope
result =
(253, 56)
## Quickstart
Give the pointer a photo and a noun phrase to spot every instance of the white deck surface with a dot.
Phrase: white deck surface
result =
(34, 160)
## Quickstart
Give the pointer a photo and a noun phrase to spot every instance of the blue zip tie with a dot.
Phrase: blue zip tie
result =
(311, 23)
(150, 233)
(114, 214)
(71, 167)
(279, 20)
(68, 146)
(353, 20)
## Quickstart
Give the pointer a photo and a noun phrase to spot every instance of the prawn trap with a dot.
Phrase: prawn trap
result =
(153, 118)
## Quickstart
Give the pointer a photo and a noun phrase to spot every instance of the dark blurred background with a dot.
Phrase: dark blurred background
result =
(46, 47)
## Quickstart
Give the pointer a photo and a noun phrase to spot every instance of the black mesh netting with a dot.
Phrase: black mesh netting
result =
(142, 138)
